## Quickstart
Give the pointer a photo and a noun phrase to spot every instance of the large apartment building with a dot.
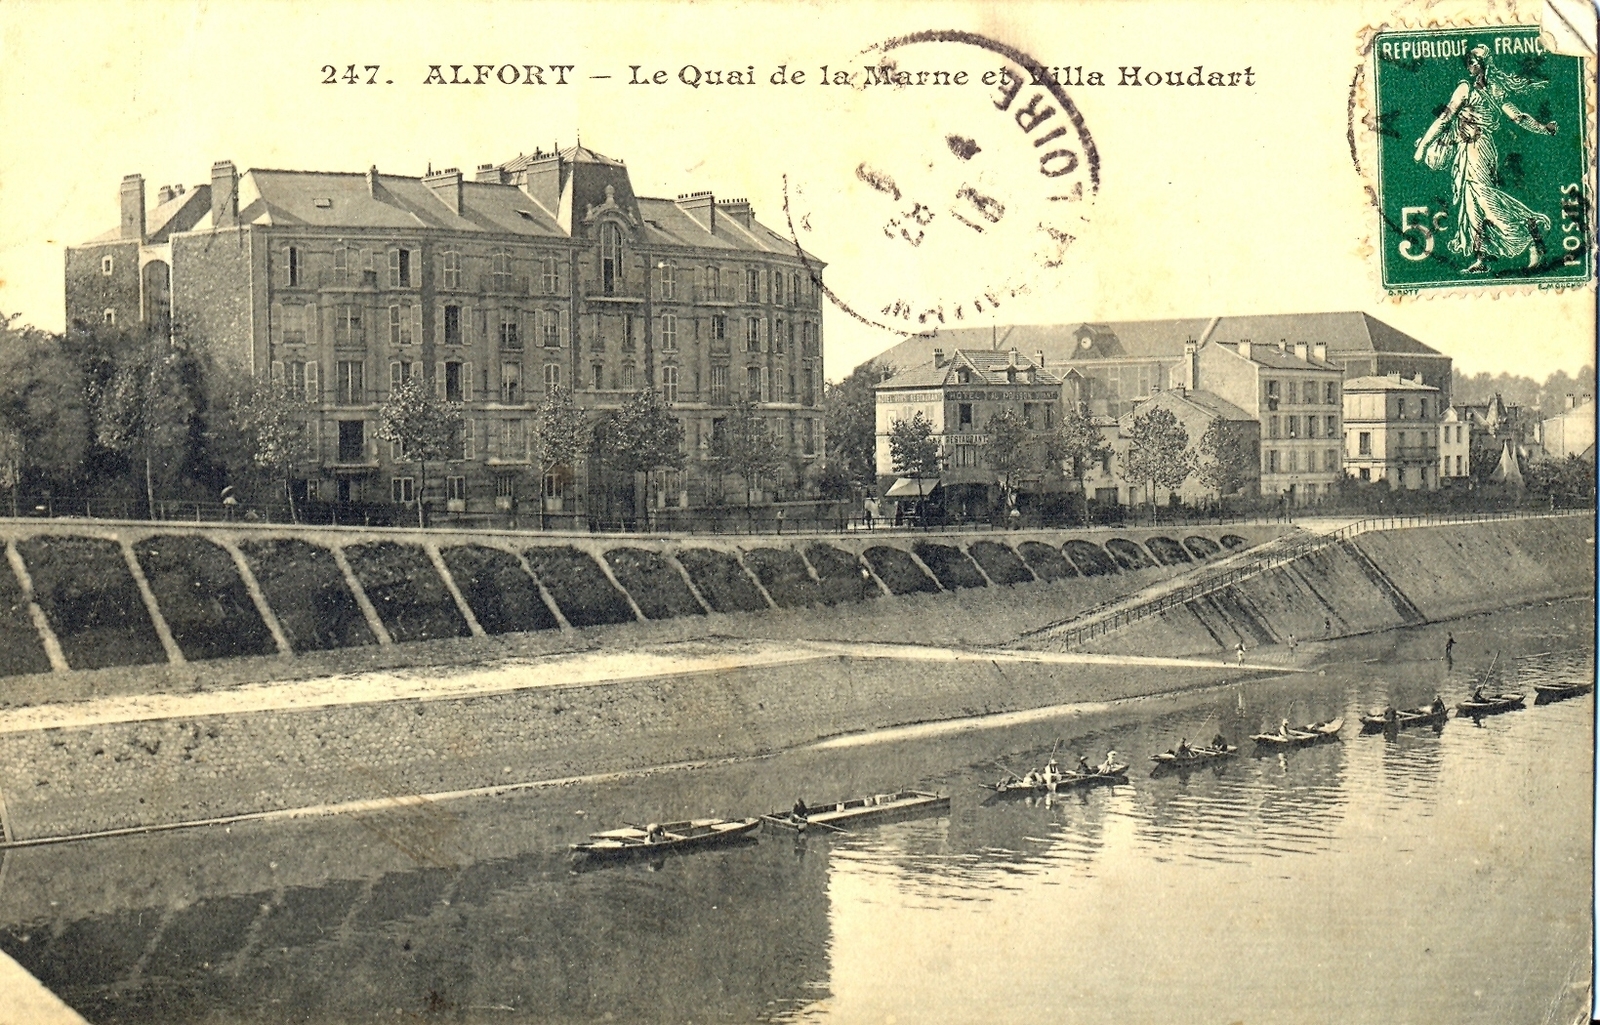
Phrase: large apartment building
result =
(543, 271)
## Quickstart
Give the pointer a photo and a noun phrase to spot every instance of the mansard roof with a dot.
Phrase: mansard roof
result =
(990, 368)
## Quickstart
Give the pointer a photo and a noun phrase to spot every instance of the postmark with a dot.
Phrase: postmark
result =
(1483, 145)
(966, 172)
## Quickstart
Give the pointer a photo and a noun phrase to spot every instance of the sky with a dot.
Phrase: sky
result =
(1208, 200)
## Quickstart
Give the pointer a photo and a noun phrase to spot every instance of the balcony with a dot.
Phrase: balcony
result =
(347, 281)
(620, 291)
(713, 297)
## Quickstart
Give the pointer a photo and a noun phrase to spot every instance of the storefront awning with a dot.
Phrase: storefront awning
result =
(912, 487)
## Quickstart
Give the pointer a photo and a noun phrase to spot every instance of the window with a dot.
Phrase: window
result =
(294, 378)
(1294, 461)
(107, 264)
(509, 339)
(791, 394)
(777, 289)
(752, 335)
(713, 283)
(399, 268)
(719, 386)
(347, 325)
(809, 339)
(1366, 473)
(500, 272)
(349, 384)
(1330, 393)
(1364, 443)
(109, 315)
(669, 333)
(291, 266)
(400, 325)
(1458, 466)
(402, 489)
(777, 336)
(552, 377)
(1293, 423)
(505, 486)
(669, 281)
(811, 438)
(669, 384)
(552, 329)
(511, 383)
(752, 384)
(1272, 460)
(752, 285)
(1330, 460)
(1311, 426)
(513, 440)
(596, 379)
(341, 264)
(452, 269)
(811, 387)
(455, 489)
(794, 289)
(610, 258)
(400, 372)
(452, 325)
(1272, 427)
(1332, 425)
(352, 440)
(627, 377)
(550, 275)
(719, 332)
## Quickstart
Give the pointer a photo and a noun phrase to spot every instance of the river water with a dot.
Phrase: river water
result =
(1434, 876)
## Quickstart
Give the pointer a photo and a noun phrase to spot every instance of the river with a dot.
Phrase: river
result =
(1434, 876)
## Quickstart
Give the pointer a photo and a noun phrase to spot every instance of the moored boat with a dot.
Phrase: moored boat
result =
(1017, 787)
(1489, 704)
(667, 836)
(1171, 760)
(841, 816)
(1311, 733)
(1426, 715)
(1548, 692)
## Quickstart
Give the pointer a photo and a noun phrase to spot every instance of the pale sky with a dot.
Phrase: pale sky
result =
(1211, 200)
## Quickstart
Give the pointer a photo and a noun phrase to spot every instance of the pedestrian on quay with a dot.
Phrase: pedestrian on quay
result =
(1449, 646)
(780, 521)
(1239, 650)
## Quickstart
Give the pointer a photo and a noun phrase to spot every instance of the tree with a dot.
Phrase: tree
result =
(564, 432)
(643, 436)
(146, 410)
(1007, 450)
(1077, 445)
(44, 426)
(1226, 457)
(1158, 453)
(268, 421)
(745, 446)
(423, 425)
(851, 424)
(914, 451)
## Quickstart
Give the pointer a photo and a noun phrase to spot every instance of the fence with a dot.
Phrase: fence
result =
(1108, 616)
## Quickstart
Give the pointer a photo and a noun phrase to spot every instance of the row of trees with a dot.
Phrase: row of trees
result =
(1517, 390)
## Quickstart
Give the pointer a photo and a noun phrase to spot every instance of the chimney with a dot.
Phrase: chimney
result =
(1283, 346)
(1417, 379)
(1038, 358)
(489, 173)
(702, 207)
(165, 194)
(1011, 358)
(133, 207)
(1320, 350)
(1571, 403)
(1302, 351)
(738, 209)
(938, 361)
(1191, 366)
(1245, 349)
(224, 195)
(372, 181)
(447, 186)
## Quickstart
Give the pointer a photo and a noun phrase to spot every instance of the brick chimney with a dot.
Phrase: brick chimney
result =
(447, 186)
(489, 173)
(165, 194)
(133, 207)
(1302, 351)
(1320, 350)
(1191, 366)
(738, 209)
(939, 361)
(372, 181)
(224, 195)
(1011, 358)
(1038, 358)
(702, 207)
(1245, 348)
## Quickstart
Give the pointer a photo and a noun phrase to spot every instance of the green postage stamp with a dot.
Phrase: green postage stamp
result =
(1482, 160)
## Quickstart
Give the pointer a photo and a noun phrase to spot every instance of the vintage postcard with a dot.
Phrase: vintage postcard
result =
(672, 512)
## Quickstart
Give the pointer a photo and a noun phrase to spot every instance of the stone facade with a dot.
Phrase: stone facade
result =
(1393, 430)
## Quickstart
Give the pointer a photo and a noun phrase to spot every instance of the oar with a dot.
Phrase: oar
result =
(1008, 769)
(824, 825)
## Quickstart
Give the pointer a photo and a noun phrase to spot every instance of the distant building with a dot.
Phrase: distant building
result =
(1455, 447)
(1571, 431)
(1196, 410)
(543, 271)
(1392, 431)
(958, 393)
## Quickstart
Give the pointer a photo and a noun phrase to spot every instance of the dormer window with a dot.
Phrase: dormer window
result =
(610, 258)
(107, 264)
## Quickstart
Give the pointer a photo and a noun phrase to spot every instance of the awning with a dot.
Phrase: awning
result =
(912, 487)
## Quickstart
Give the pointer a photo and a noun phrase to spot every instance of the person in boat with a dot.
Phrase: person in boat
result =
(800, 812)
(1052, 771)
(1105, 768)
(1184, 750)
(1283, 729)
(1477, 693)
(1083, 765)
(1438, 704)
(1219, 743)
(655, 832)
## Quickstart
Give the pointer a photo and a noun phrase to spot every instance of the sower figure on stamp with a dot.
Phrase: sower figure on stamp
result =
(1489, 222)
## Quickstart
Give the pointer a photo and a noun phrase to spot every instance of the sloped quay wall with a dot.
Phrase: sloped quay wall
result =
(79, 597)
(1381, 580)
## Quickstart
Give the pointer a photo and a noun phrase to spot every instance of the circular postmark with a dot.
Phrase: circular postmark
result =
(960, 172)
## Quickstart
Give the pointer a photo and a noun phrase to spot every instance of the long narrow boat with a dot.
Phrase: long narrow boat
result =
(1118, 773)
(1312, 733)
(1490, 704)
(841, 816)
(1426, 715)
(669, 836)
(1556, 691)
(1172, 761)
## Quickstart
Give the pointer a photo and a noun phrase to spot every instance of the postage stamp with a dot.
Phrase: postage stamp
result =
(1482, 159)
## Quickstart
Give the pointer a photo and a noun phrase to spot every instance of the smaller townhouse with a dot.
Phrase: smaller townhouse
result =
(1455, 448)
(1571, 431)
(1393, 431)
(1196, 410)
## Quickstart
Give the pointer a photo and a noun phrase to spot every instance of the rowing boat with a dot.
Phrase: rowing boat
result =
(1312, 733)
(1556, 691)
(1427, 715)
(1489, 704)
(669, 836)
(1015, 787)
(835, 816)
(1197, 756)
